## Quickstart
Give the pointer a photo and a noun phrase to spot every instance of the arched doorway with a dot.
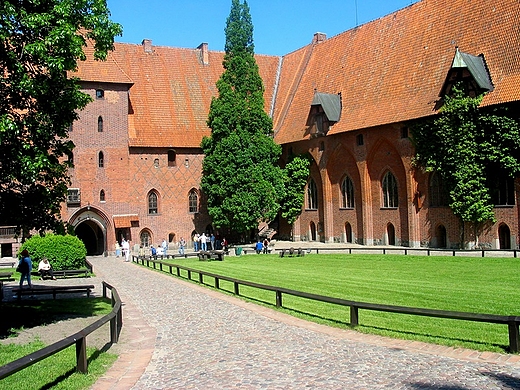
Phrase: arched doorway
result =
(92, 236)
(90, 226)
(504, 236)
(440, 235)
(390, 232)
(348, 232)
(312, 232)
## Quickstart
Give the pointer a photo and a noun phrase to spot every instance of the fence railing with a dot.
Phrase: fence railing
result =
(406, 251)
(512, 322)
(79, 339)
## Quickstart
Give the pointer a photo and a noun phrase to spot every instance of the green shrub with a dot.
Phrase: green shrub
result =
(63, 252)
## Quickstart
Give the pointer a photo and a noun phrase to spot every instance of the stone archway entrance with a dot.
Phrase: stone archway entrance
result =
(91, 228)
(92, 236)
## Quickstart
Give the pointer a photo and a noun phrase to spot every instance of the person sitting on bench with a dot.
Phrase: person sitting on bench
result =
(45, 269)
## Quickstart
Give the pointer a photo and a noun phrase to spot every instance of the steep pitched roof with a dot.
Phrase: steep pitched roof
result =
(391, 69)
(172, 90)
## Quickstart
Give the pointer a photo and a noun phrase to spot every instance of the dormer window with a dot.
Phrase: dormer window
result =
(470, 72)
(325, 112)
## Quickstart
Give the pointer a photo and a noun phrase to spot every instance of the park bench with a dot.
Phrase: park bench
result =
(54, 290)
(9, 264)
(66, 272)
(211, 255)
(6, 277)
(292, 252)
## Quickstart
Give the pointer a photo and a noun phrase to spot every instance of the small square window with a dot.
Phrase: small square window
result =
(100, 94)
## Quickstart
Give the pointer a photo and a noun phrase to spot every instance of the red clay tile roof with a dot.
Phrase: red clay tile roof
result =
(172, 91)
(392, 69)
(387, 71)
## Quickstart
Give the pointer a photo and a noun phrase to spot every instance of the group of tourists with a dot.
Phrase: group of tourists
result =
(203, 242)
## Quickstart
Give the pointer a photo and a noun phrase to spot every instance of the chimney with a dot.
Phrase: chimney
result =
(204, 54)
(319, 37)
(147, 45)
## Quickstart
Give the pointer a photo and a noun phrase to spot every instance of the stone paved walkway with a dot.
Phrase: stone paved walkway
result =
(178, 335)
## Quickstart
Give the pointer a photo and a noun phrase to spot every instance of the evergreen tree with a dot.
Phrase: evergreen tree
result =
(40, 42)
(468, 146)
(241, 179)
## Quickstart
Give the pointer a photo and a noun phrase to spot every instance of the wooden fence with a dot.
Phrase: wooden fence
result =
(116, 322)
(512, 322)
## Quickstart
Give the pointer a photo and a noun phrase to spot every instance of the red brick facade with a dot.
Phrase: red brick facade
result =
(388, 72)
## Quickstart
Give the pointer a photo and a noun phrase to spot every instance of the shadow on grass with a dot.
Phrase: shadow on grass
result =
(29, 314)
(95, 355)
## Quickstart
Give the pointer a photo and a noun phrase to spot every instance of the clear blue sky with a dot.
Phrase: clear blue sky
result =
(280, 26)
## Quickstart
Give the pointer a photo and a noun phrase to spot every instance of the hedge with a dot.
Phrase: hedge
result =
(63, 252)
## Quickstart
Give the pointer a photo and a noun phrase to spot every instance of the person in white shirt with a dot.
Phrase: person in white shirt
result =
(126, 249)
(45, 269)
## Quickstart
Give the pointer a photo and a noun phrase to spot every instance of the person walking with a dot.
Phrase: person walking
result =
(126, 250)
(203, 242)
(25, 268)
(165, 247)
(182, 246)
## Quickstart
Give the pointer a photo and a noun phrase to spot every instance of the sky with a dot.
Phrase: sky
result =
(280, 26)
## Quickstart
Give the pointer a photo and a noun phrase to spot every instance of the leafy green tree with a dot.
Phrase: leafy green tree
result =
(297, 173)
(241, 178)
(468, 145)
(40, 42)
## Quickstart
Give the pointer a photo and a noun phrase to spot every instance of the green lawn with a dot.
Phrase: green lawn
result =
(478, 285)
(57, 371)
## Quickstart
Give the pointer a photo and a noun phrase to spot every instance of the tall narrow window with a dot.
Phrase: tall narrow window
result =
(390, 193)
(102, 195)
(312, 195)
(101, 160)
(193, 201)
(171, 158)
(100, 124)
(501, 187)
(347, 193)
(145, 238)
(152, 203)
(438, 193)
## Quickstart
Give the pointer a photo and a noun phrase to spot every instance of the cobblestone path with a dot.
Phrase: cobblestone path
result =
(178, 335)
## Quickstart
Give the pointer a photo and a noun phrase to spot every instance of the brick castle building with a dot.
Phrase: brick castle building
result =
(347, 100)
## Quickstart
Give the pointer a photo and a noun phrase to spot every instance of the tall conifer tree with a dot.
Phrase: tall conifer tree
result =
(241, 178)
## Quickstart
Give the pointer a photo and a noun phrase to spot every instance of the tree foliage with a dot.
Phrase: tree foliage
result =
(240, 177)
(40, 41)
(296, 175)
(468, 145)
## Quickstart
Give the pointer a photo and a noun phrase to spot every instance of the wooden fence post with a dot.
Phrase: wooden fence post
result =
(81, 355)
(278, 298)
(354, 315)
(514, 337)
(236, 289)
